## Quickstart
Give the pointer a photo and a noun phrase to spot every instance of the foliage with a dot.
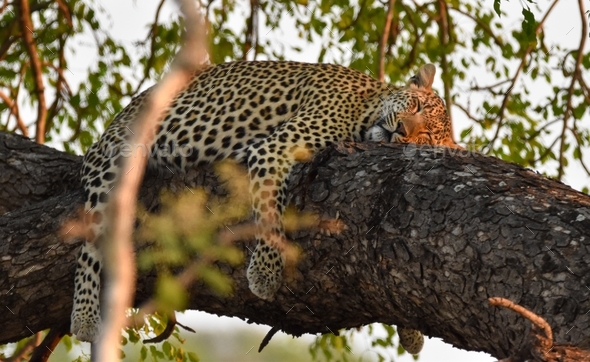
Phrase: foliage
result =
(492, 76)
(175, 240)
(74, 115)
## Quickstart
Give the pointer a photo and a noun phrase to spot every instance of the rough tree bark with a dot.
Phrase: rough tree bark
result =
(430, 237)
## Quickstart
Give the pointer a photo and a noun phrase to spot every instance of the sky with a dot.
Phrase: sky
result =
(127, 23)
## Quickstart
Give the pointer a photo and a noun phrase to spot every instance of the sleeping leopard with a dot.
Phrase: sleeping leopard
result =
(264, 114)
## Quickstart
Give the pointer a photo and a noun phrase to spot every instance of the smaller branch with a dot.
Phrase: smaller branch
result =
(541, 129)
(13, 107)
(362, 7)
(188, 275)
(60, 84)
(166, 333)
(185, 327)
(467, 113)
(413, 50)
(575, 75)
(118, 256)
(543, 349)
(46, 348)
(528, 50)
(547, 150)
(383, 41)
(170, 324)
(535, 319)
(9, 40)
(16, 90)
(489, 87)
(27, 33)
(268, 336)
(24, 351)
(65, 11)
(579, 149)
(251, 30)
(480, 24)
(443, 24)
(152, 37)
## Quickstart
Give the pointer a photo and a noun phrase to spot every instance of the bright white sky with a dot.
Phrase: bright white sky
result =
(129, 18)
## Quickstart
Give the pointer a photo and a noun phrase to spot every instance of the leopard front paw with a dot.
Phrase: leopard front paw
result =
(264, 279)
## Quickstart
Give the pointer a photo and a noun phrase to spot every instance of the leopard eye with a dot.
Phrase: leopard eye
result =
(419, 107)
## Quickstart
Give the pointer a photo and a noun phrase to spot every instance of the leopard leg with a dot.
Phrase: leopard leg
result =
(85, 318)
(98, 178)
(267, 190)
(269, 165)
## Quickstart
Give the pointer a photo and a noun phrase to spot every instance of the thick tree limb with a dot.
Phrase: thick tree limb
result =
(30, 172)
(430, 237)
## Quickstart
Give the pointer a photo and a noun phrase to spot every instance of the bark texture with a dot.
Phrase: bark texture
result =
(429, 237)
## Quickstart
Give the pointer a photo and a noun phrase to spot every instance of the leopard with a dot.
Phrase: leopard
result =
(267, 115)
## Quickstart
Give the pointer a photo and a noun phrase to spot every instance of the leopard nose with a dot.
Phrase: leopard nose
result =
(401, 130)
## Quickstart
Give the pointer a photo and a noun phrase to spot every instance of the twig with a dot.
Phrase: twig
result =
(13, 107)
(166, 333)
(489, 87)
(546, 152)
(443, 24)
(383, 41)
(528, 50)
(411, 58)
(543, 349)
(27, 33)
(570, 91)
(152, 37)
(480, 24)
(10, 39)
(188, 275)
(535, 319)
(60, 84)
(467, 113)
(579, 149)
(31, 344)
(268, 336)
(251, 30)
(118, 256)
(63, 7)
(44, 350)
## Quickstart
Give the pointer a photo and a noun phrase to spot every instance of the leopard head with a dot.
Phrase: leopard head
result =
(414, 114)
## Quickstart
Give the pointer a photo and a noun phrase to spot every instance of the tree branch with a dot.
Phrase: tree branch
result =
(528, 50)
(250, 42)
(152, 37)
(443, 25)
(480, 24)
(429, 238)
(28, 347)
(27, 33)
(383, 41)
(570, 92)
(118, 257)
(13, 108)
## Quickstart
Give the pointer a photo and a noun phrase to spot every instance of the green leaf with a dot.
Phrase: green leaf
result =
(497, 7)
(192, 357)
(170, 294)
(168, 349)
(143, 353)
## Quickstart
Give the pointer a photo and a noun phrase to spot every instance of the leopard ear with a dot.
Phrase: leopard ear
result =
(424, 78)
